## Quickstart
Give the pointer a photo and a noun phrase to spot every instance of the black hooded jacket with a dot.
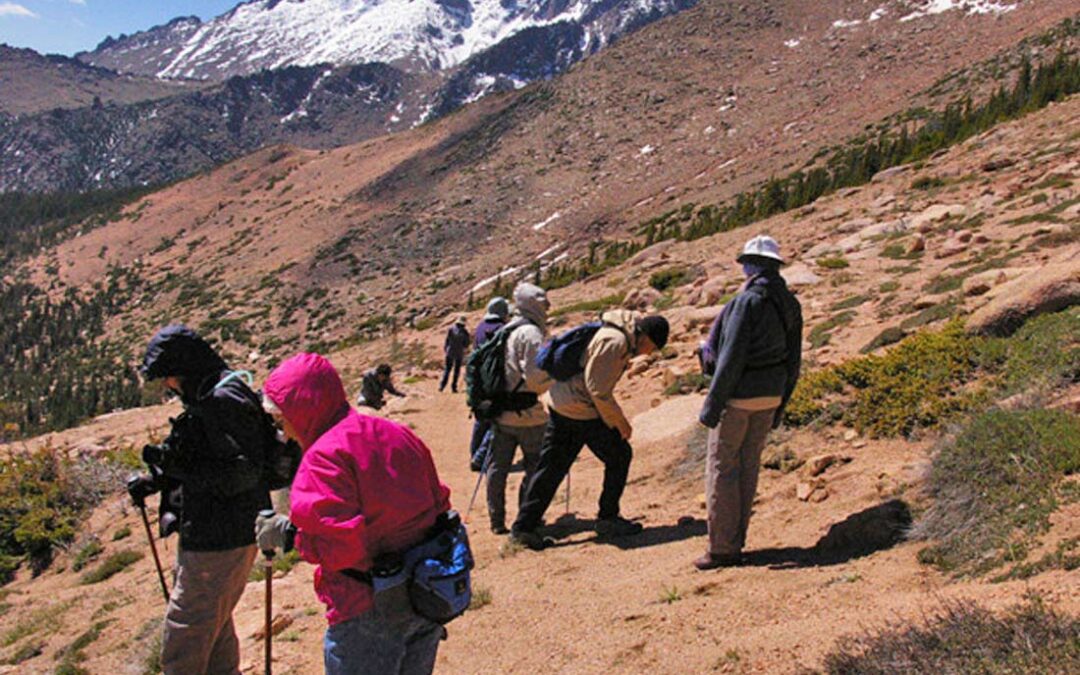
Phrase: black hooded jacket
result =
(216, 448)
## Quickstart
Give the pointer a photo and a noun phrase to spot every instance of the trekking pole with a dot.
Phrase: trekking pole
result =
(153, 549)
(479, 479)
(268, 572)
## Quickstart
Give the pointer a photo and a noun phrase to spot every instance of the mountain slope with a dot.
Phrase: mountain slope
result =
(425, 34)
(30, 83)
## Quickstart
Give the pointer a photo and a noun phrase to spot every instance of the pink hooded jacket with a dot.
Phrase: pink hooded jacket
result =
(365, 486)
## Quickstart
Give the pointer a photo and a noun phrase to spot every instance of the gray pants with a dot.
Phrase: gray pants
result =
(389, 639)
(731, 475)
(506, 440)
(199, 636)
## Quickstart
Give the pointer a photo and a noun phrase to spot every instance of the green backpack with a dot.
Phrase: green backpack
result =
(485, 379)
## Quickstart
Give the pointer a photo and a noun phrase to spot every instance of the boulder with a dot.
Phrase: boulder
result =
(955, 244)
(816, 465)
(916, 245)
(822, 249)
(881, 229)
(854, 225)
(937, 213)
(980, 283)
(891, 172)
(1050, 288)
(702, 317)
(641, 298)
(652, 252)
(800, 274)
(709, 293)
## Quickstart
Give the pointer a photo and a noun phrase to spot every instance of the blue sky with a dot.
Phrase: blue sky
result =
(69, 26)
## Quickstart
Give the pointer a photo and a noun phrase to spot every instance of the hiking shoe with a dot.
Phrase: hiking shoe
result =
(530, 540)
(712, 561)
(618, 527)
(499, 529)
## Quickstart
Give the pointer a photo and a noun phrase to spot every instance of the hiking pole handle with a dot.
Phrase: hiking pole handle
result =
(153, 550)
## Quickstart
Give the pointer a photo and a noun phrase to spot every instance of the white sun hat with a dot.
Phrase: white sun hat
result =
(761, 246)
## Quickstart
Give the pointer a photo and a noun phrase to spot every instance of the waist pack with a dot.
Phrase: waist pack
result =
(437, 571)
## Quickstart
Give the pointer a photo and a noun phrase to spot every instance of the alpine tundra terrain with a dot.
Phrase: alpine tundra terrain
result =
(918, 163)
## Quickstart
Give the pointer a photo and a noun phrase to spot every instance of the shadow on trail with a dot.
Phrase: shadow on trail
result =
(874, 529)
(569, 525)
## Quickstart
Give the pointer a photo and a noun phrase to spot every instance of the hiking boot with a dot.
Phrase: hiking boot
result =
(618, 527)
(499, 528)
(530, 540)
(712, 561)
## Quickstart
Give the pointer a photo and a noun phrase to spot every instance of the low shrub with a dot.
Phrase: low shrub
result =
(820, 334)
(889, 336)
(113, 565)
(945, 310)
(688, 384)
(833, 263)
(283, 564)
(927, 183)
(597, 305)
(91, 550)
(672, 277)
(995, 485)
(965, 638)
(852, 301)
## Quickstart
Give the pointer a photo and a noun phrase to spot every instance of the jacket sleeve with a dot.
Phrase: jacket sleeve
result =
(730, 360)
(439, 491)
(327, 512)
(537, 380)
(604, 366)
(794, 359)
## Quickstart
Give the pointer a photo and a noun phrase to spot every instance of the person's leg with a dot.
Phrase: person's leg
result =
(611, 449)
(447, 365)
(235, 566)
(722, 482)
(531, 440)
(198, 612)
(561, 445)
(363, 645)
(479, 429)
(757, 432)
(457, 372)
(421, 647)
(503, 444)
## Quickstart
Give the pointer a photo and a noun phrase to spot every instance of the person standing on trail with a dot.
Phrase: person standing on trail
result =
(753, 353)
(366, 487)
(377, 382)
(210, 472)
(494, 319)
(584, 412)
(454, 347)
(523, 428)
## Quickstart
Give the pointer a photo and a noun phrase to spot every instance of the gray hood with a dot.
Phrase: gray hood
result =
(531, 303)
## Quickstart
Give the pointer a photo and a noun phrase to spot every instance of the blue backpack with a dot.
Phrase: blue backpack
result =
(562, 356)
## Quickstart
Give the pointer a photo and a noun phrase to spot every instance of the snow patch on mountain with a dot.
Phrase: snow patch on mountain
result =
(931, 7)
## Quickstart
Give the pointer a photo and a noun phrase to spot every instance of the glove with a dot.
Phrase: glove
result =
(274, 531)
(140, 486)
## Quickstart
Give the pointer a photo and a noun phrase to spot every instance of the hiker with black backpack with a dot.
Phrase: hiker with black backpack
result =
(368, 508)
(212, 471)
(494, 319)
(754, 353)
(586, 363)
(513, 428)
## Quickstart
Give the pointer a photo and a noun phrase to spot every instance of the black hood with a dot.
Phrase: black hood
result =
(178, 350)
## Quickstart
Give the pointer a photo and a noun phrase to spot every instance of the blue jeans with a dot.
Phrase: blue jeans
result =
(389, 639)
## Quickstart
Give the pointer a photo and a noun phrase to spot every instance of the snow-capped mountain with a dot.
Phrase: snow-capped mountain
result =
(413, 34)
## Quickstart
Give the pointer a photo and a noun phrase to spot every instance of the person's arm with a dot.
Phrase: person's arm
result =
(537, 380)
(327, 513)
(392, 389)
(604, 365)
(794, 361)
(730, 361)
(221, 448)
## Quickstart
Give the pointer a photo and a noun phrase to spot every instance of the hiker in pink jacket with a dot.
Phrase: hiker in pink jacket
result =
(366, 486)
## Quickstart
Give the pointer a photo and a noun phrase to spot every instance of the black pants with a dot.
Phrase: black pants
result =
(452, 363)
(563, 439)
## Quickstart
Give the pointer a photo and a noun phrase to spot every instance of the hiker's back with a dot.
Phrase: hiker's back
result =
(611, 343)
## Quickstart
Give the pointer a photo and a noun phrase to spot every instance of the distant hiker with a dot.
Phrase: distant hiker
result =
(524, 428)
(377, 382)
(210, 472)
(366, 487)
(753, 353)
(584, 412)
(494, 319)
(454, 347)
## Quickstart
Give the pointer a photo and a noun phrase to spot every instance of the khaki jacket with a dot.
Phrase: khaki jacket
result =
(591, 394)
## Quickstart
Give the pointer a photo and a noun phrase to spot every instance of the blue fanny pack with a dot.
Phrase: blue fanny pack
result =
(437, 571)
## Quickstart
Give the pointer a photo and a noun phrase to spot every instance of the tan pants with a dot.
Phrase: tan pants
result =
(199, 636)
(731, 475)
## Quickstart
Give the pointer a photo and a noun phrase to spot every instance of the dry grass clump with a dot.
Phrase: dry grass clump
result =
(965, 638)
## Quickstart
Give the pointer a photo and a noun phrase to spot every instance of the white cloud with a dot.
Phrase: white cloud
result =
(12, 9)
(77, 2)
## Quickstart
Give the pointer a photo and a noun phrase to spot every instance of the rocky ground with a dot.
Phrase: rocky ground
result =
(987, 231)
